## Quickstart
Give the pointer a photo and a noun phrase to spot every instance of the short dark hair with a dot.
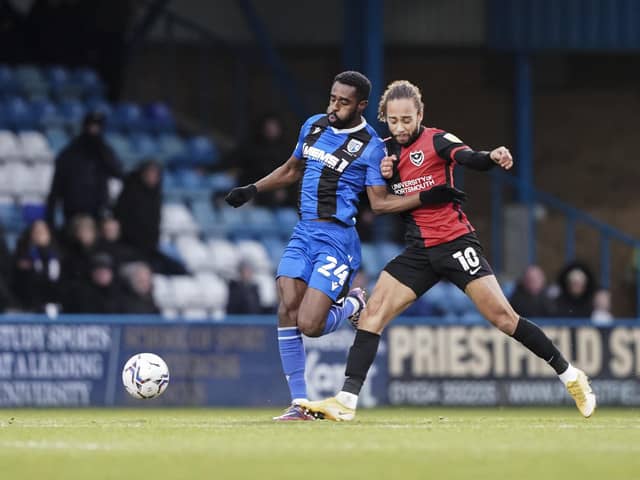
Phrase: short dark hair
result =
(357, 80)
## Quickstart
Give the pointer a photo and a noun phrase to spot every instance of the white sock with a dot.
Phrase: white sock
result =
(296, 401)
(349, 400)
(569, 375)
(355, 303)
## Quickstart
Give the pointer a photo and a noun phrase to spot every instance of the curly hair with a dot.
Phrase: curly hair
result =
(396, 90)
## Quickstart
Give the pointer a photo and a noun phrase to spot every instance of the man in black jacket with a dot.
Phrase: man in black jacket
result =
(82, 171)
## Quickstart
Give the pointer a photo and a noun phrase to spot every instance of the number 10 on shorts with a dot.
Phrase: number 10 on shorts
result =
(469, 260)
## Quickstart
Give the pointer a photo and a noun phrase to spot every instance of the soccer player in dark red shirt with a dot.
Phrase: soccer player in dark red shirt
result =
(441, 243)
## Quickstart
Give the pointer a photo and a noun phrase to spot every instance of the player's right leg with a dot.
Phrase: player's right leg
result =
(293, 273)
(493, 305)
(390, 297)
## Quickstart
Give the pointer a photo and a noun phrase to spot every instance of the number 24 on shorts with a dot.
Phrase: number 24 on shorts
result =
(469, 260)
(341, 272)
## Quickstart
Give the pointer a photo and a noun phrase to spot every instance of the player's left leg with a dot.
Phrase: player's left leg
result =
(494, 306)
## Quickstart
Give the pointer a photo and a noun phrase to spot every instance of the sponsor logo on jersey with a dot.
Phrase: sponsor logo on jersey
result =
(354, 145)
(417, 158)
(316, 130)
(452, 138)
(326, 158)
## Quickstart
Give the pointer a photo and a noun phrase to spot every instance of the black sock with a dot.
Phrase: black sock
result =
(532, 337)
(361, 356)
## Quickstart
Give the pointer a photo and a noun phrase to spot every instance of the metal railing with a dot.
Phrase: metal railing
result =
(572, 216)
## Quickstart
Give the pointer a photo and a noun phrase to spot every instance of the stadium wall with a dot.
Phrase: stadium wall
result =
(76, 361)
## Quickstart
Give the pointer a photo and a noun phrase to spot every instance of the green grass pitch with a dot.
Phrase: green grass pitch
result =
(412, 443)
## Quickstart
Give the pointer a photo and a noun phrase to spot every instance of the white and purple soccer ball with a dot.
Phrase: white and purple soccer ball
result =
(145, 376)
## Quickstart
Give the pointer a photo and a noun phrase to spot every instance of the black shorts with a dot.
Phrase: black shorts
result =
(460, 261)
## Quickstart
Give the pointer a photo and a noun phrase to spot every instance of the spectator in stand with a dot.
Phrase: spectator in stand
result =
(36, 268)
(80, 246)
(138, 289)
(7, 300)
(244, 297)
(99, 293)
(577, 288)
(530, 296)
(260, 155)
(601, 314)
(110, 242)
(82, 171)
(138, 209)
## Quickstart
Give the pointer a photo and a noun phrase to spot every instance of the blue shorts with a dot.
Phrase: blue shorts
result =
(325, 255)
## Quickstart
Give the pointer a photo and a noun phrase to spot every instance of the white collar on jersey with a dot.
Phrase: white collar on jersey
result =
(350, 130)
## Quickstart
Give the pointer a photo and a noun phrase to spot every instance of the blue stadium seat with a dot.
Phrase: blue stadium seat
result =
(58, 139)
(287, 218)
(389, 250)
(204, 214)
(201, 152)
(274, 246)
(189, 179)
(32, 212)
(144, 146)
(46, 114)
(447, 298)
(8, 85)
(60, 83)
(31, 82)
(172, 150)
(73, 112)
(420, 308)
(220, 182)
(159, 118)
(11, 216)
(17, 114)
(122, 148)
(371, 262)
(88, 81)
(128, 117)
(232, 220)
(261, 222)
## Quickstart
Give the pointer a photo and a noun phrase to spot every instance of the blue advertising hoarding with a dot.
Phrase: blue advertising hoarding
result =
(76, 362)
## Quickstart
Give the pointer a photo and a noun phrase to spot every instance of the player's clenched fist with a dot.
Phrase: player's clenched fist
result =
(241, 195)
(502, 156)
(386, 166)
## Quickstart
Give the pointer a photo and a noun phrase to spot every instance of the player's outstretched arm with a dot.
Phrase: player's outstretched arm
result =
(283, 176)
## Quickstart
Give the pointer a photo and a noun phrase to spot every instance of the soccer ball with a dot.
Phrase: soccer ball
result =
(145, 376)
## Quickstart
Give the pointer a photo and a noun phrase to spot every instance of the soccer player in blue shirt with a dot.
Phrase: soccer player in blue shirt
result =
(337, 156)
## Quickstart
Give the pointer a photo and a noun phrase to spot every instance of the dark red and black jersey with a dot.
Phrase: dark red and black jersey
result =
(426, 162)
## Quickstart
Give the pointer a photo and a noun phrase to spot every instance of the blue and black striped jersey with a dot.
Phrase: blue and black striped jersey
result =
(339, 165)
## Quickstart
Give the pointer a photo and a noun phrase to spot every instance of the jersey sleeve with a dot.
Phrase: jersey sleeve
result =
(373, 176)
(452, 149)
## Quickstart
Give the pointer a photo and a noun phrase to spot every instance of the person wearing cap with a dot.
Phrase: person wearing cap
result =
(99, 293)
(82, 171)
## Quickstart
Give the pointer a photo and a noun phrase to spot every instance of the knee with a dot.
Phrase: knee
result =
(505, 321)
(310, 326)
(287, 315)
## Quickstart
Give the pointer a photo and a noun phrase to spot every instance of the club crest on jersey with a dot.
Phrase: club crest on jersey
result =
(417, 157)
(354, 145)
